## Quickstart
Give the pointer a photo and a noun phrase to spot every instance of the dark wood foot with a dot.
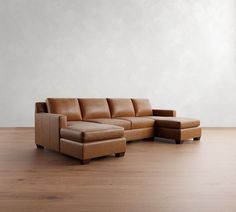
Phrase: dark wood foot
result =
(121, 154)
(39, 146)
(197, 138)
(83, 162)
(178, 141)
(149, 139)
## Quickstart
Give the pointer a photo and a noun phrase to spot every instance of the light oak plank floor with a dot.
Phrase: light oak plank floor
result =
(155, 176)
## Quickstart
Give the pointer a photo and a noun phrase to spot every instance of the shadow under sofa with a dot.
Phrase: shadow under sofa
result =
(87, 128)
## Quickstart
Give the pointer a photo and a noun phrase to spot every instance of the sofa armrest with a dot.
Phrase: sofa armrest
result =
(159, 112)
(47, 129)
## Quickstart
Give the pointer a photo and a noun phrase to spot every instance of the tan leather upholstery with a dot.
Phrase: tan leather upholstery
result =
(94, 108)
(121, 107)
(159, 117)
(178, 134)
(106, 126)
(175, 122)
(83, 131)
(137, 134)
(114, 121)
(94, 149)
(41, 107)
(178, 123)
(139, 122)
(68, 107)
(142, 107)
(159, 112)
(47, 129)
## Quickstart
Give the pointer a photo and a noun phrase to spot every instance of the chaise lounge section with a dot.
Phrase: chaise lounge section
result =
(87, 128)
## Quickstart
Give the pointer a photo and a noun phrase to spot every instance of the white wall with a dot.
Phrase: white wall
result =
(180, 54)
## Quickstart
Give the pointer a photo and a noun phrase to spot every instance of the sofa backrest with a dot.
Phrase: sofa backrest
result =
(142, 107)
(65, 106)
(94, 108)
(121, 107)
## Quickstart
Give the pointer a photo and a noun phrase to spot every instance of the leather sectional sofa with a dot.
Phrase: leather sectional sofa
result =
(88, 128)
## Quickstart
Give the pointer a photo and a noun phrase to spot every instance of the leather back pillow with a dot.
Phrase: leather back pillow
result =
(94, 108)
(66, 106)
(121, 107)
(142, 107)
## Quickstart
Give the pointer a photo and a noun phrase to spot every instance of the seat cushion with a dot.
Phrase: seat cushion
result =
(65, 106)
(118, 122)
(121, 107)
(94, 108)
(142, 107)
(139, 122)
(175, 122)
(83, 131)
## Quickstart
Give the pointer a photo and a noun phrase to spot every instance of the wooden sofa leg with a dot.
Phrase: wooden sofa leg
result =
(148, 139)
(39, 146)
(120, 154)
(83, 162)
(197, 138)
(178, 141)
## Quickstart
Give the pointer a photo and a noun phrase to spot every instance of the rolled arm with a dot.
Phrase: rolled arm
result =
(47, 129)
(160, 112)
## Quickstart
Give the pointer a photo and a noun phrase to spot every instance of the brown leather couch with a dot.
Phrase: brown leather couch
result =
(88, 128)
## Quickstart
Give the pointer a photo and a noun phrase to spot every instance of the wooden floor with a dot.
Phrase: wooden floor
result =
(155, 176)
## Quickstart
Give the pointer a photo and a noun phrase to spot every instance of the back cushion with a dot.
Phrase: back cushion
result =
(94, 108)
(142, 107)
(67, 107)
(121, 107)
